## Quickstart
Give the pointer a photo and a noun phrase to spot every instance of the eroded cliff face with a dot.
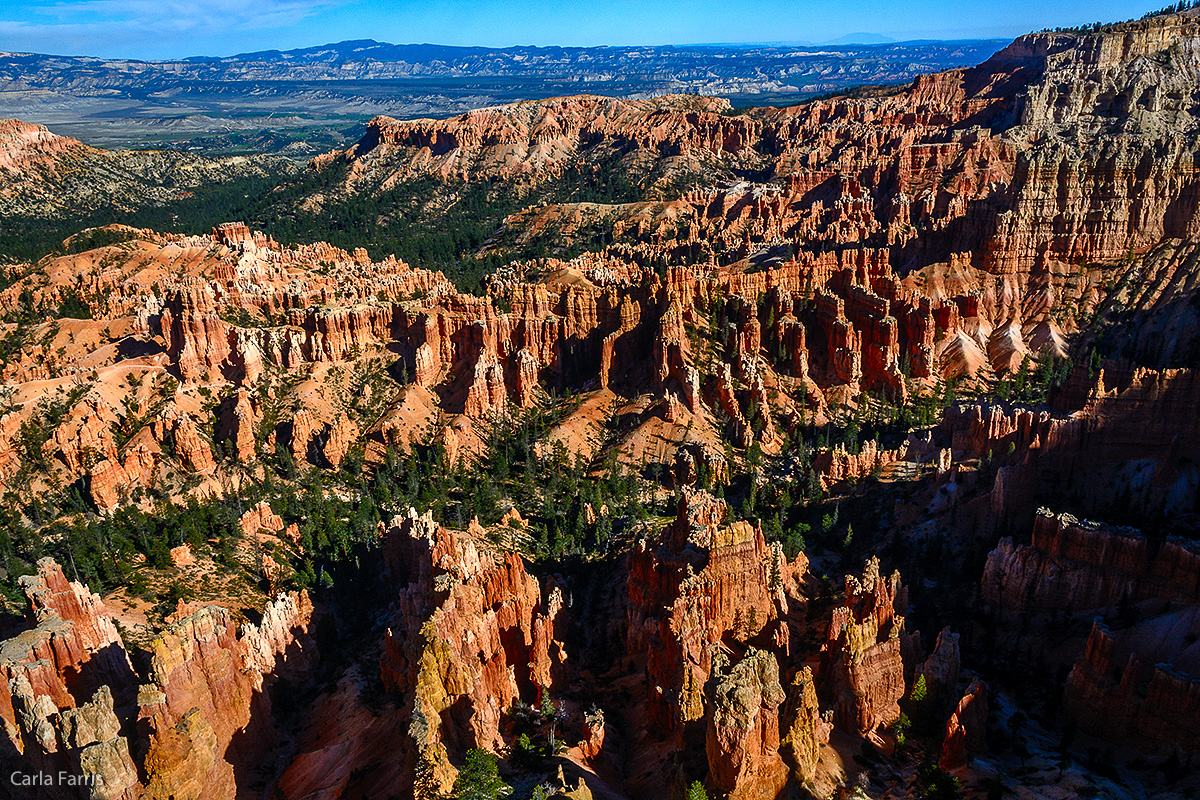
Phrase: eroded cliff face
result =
(804, 728)
(726, 356)
(916, 256)
(701, 583)
(723, 618)
(478, 636)
(46, 175)
(1130, 682)
(470, 635)
(743, 731)
(23, 145)
(203, 715)
(1073, 565)
(527, 140)
(1062, 149)
(711, 676)
(70, 699)
(862, 651)
(704, 587)
(962, 227)
(57, 682)
(1114, 443)
(1136, 692)
(965, 728)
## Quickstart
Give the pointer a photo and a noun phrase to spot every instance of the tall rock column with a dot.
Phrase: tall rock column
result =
(743, 728)
(862, 651)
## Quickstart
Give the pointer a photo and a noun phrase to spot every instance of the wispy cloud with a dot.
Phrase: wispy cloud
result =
(186, 14)
(102, 25)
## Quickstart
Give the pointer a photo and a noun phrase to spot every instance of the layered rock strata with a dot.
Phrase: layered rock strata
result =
(1118, 693)
(71, 701)
(473, 633)
(1073, 565)
(1130, 683)
(701, 584)
(862, 651)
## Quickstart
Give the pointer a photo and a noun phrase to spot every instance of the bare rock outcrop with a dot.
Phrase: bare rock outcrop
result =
(1074, 565)
(56, 706)
(805, 732)
(204, 710)
(966, 728)
(474, 632)
(862, 651)
(743, 728)
(73, 646)
(941, 670)
(1138, 698)
(238, 420)
(70, 700)
(701, 582)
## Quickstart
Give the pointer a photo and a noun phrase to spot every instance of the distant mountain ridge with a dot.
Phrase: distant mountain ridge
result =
(383, 50)
(103, 101)
(361, 59)
(862, 38)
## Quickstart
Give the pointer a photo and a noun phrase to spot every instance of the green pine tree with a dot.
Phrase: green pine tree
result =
(479, 779)
(919, 692)
(918, 706)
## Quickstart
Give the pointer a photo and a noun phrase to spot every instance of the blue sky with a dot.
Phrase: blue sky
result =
(176, 28)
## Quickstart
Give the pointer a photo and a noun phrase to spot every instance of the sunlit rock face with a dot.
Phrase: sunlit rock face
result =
(72, 702)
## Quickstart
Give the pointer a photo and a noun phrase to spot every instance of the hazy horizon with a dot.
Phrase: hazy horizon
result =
(174, 29)
(850, 40)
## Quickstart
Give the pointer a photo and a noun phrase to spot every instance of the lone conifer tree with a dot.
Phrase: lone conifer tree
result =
(479, 778)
